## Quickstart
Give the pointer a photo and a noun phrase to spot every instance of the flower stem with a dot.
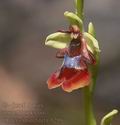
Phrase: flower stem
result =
(88, 107)
(88, 94)
(79, 8)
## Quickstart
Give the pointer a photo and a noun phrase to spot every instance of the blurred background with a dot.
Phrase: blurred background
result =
(25, 63)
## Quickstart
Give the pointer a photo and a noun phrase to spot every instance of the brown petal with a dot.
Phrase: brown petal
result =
(86, 54)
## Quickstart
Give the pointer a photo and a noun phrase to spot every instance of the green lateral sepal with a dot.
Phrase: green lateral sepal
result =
(58, 40)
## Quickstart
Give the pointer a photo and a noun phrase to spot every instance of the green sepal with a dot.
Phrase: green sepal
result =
(90, 49)
(92, 42)
(96, 53)
(106, 120)
(74, 19)
(58, 40)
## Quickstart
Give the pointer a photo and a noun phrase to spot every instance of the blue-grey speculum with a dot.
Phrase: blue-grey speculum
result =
(72, 62)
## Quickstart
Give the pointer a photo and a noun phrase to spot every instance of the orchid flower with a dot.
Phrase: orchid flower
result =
(73, 73)
(77, 52)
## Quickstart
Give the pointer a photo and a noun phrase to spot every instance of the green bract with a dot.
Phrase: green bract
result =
(91, 29)
(74, 19)
(58, 40)
(108, 118)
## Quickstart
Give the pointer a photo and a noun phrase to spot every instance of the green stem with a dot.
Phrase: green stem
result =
(88, 107)
(79, 8)
(88, 95)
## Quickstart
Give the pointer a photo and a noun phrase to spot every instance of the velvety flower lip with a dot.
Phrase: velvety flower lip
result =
(78, 80)
(73, 73)
(69, 78)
